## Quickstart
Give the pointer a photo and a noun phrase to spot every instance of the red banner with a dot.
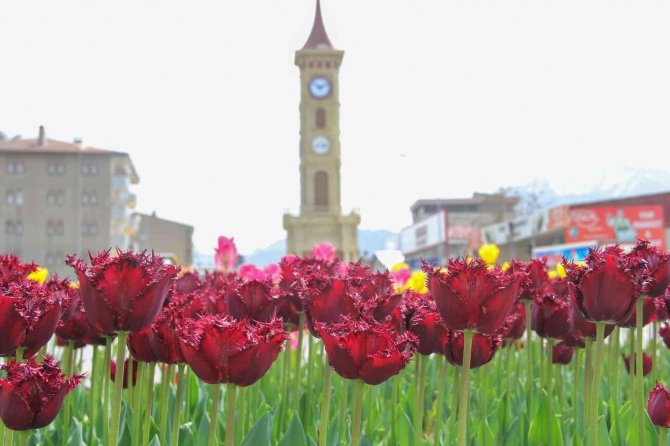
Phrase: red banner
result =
(622, 224)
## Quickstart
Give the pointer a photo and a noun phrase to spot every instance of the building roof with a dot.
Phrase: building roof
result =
(318, 38)
(475, 199)
(44, 145)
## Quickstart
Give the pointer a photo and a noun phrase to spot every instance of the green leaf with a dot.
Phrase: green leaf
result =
(203, 430)
(295, 435)
(185, 435)
(155, 441)
(76, 436)
(544, 428)
(404, 428)
(259, 433)
(650, 434)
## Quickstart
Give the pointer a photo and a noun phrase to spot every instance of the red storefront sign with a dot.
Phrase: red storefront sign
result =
(616, 224)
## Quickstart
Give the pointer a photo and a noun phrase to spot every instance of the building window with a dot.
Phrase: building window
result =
(320, 118)
(18, 197)
(10, 197)
(89, 169)
(89, 228)
(55, 227)
(321, 189)
(60, 198)
(89, 197)
(13, 227)
(15, 167)
(56, 167)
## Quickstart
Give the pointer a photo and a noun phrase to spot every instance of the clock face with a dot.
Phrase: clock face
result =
(320, 145)
(319, 87)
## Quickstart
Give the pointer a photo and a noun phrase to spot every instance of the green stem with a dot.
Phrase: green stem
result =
(106, 363)
(654, 346)
(285, 395)
(9, 437)
(465, 383)
(230, 415)
(483, 396)
(146, 426)
(529, 360)
(614, 394)
(575, 386)
(118, 390)
(93, 394)
(310, 370)
(359, 388)
(214, 414)
(454, 403)
(419, 382)
(68, 361)
(176, 410)
(441, 384)
(165, 403)
(296, 397)
(325, 406)
(137, 401)
(588, 377)
(344, 400)
(595, 385)
(661, 436)
(240, 413)
(548, 381)
(639, 378)
(23, 438)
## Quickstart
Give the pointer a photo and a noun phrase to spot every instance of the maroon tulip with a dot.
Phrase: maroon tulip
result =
(13, 270)
(327, 299)
(426, 323)
(140, 345)
(649, 313)
(551, 316)
(123, 293)
(515, 324)
(646, 363)
(658, 406)
(77, 327)
(221, 350)
(29, 315)
(664, 331)
(656, 267)
(606, 289)
(31, 394)
(366, 350)
(188, 282)
(112, 372)
(471, 296)
(484, 347)
(561, 353)
(66, 293)
(535, 278)
(289, 304)
(377, 294)
(256, 300)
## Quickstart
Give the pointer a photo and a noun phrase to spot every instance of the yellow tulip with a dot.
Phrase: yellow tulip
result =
(417, 282)
(399, 266)
(489, 253)
(560, 270)
(39, 275)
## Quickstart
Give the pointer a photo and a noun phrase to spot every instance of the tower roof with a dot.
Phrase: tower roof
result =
(318, 38)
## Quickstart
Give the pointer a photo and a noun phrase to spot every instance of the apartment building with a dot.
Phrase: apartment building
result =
(59, 198)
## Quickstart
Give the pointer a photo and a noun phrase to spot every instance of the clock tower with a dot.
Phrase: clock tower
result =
(321, 218)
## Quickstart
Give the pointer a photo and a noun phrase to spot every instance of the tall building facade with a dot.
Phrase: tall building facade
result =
(320, 218)
(59, 198)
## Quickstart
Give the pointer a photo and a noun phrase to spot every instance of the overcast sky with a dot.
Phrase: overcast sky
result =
(439, 98)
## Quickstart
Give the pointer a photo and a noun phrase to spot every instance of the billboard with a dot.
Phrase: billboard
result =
(428, 232)
(616, 224)
(571, 251)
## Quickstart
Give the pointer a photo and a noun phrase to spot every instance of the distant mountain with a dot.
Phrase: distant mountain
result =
(369, 240)
(618, 183)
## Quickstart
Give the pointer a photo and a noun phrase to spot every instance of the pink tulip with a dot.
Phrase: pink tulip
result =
(225, 255)
(324, 251)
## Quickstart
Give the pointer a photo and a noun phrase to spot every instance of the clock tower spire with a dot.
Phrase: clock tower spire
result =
(320, 218)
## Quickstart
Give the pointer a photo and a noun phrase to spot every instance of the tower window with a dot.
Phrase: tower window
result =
(321, 189)
(320, 118)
